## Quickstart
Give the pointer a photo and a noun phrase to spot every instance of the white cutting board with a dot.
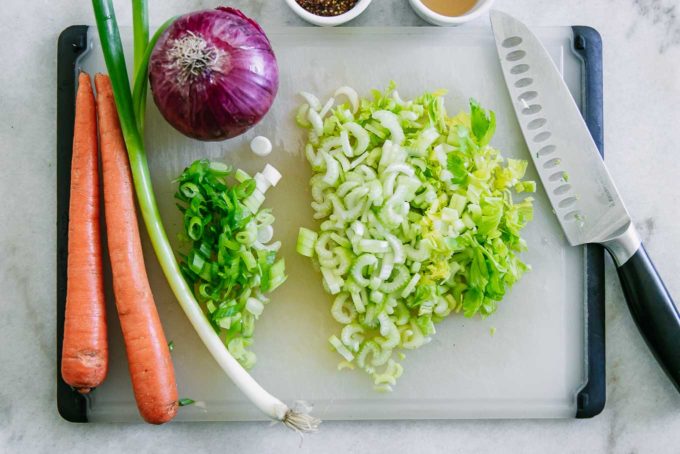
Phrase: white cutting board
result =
(534, 364)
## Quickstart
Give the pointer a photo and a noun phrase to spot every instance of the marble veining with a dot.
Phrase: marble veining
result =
(641, 67)
(662, 14)
(646, 229)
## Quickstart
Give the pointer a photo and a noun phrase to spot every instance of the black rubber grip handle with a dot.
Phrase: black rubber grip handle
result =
(653, 310)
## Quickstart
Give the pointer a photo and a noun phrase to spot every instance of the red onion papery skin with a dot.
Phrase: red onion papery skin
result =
(228, 97)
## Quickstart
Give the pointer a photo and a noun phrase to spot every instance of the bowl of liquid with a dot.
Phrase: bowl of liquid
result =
(450, 12)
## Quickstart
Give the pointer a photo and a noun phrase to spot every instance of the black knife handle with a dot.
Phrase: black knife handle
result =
(653, 310)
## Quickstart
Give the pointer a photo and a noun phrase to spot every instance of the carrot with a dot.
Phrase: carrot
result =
(84, 359)
(153, 377)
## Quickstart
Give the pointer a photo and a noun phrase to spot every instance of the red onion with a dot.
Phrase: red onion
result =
(213, 74)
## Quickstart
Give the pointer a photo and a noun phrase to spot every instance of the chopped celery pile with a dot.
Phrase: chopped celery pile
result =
(417, 219)
(231, 262)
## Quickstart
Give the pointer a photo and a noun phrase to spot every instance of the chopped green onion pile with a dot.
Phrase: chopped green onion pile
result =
(232, 262)
(418, 220)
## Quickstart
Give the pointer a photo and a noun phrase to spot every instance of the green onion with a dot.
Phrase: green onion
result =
(205, 291)
(241, 176)
(248, 259)
(131, 122)
(225, 323)
(254, 306)
(277, 275)
(140, 30)
(189, 190)
(228, 262)
(142, 70)
(195, 228)
(219, 169)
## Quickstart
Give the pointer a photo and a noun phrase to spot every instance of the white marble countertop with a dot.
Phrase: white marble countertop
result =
(642, 90)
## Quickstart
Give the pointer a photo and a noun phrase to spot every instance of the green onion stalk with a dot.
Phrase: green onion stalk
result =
(131, 115)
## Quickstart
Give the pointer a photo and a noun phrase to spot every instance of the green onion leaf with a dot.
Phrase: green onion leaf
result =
(140, 30)
(227, 265)
(141, 69)
(220, 169)
(195, 228)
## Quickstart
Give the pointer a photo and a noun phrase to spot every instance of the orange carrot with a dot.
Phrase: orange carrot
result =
(153, 377)
(84, 359)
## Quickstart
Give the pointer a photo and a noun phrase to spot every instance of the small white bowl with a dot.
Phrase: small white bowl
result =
(482, 7)
(329, 21)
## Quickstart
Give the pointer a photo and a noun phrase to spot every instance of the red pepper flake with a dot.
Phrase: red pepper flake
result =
(327, 7)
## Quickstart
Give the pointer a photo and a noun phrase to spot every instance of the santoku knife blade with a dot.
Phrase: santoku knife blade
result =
(581, 191)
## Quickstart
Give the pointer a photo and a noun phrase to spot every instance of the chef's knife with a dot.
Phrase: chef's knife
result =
(580, 189)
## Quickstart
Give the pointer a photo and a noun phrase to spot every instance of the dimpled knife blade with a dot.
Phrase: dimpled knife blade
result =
(582, 193)
(579, 186)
